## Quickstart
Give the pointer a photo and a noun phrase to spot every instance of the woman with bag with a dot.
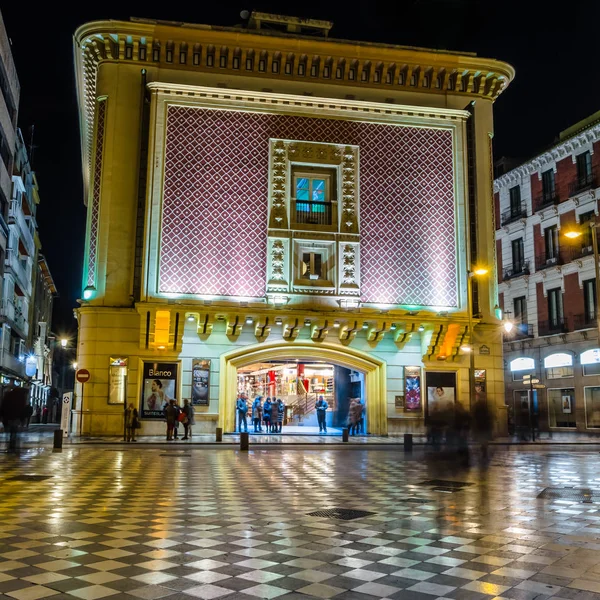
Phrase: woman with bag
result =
(131, 422)
(188, 418)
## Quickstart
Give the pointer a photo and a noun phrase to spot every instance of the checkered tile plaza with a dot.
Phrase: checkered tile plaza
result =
(187, 523)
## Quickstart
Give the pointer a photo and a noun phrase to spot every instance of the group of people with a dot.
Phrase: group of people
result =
(270, 413)
(174, 414)
(356, 416)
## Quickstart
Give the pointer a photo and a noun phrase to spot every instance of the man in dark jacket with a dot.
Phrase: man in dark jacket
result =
(170, 416)
(13, 412)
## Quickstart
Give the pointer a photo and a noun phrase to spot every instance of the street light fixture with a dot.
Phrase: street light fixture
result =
(64, 342)
(573, 234)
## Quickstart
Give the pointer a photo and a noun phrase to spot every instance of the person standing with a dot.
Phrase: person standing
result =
(361, 418)
(188, 411)
(354, 416)
(257, 414)
(177, 419)
(321, 407)
(267, 408)
(170, 416)
(131, 423)
(12, 412)
(242, 411)
(274, 415)
(280, 414)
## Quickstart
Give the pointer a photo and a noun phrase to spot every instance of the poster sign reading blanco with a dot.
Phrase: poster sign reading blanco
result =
(200, 381)
(158, 387)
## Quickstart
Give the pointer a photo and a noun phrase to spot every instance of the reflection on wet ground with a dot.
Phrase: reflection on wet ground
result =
(94, 522)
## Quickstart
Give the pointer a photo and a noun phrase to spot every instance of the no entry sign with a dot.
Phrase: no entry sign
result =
(83, 375)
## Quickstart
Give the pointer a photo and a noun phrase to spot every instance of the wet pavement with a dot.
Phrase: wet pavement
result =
(182, 523)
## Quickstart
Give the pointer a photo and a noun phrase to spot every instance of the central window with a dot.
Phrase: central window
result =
(314, 193)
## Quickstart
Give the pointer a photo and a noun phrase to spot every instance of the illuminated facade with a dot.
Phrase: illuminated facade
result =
(257, 196)
(547, 281)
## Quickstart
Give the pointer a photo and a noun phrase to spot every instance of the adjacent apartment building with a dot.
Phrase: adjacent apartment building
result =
(277, 212)
(546, 212)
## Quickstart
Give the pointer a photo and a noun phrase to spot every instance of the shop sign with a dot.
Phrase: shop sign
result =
(159, 385)
(200, 381)
(484, 349)
(117, 380)
(590, 357)
(412, 389)
(522, 364)
(560, 359)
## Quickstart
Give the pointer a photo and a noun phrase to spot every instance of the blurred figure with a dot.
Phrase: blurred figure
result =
(436, 427)
(274, 415)
(13, 412)
(131, 422)
(188, 411)
(280, 414)
(482, 428)
(462, 424)
(170, 413)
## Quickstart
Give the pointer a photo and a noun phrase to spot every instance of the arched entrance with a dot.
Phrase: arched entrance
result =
(372, 367)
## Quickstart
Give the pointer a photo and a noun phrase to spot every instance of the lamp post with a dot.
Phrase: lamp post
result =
(576, 233)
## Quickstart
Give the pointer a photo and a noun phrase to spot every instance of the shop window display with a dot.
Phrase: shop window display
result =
(561, 407)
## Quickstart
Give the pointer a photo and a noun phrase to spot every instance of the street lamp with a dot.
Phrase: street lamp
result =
(478, 271)
(573, 234)
(64, 342)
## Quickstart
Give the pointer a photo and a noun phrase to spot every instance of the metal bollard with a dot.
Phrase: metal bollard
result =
(408, 442)
(219, 434)
(345, 434)
(244, 439)
(58, 440)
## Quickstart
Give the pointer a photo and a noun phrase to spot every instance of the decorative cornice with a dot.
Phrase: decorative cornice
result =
(274, 57)
(554, 154)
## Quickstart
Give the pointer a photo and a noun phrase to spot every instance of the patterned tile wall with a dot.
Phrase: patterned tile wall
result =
(216, 200)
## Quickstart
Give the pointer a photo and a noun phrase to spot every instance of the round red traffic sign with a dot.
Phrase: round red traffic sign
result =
(83, 375)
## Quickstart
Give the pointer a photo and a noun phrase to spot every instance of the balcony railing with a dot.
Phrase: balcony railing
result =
(543, 261)
(14, 314)
(15, 215)
(313, 213)
(23, 273)
(581, 184)
(552, 326)
(584, 322)
(546, 199)
(523, 330)
(517, 269)
(514, 214)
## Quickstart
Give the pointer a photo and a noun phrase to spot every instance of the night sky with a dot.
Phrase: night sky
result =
(555, 53)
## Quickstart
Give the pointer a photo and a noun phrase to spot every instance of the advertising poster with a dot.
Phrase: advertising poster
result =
(412, 389)
(117, 381)
(159, 385)
(566, 405)
(200, 382)
(65, 415)
(441, 391)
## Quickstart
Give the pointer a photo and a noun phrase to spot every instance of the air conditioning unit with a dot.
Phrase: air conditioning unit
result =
(552, 261)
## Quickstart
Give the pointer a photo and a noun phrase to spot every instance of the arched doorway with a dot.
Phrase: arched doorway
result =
(372, 367)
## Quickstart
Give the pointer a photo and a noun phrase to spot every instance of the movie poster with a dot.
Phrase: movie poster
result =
(441, 391)
(158, 387)
(412, 389)
(200, 382)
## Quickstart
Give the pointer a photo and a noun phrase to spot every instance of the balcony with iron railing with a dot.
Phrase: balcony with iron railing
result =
(14, 314)
(514, 213)
(523, 330)
(585, 321)
(545, 261)
(16, 217)
(546, 199)
(552, 326)
(313, 213)
(588, 181)
(516, 270)
(21, 272)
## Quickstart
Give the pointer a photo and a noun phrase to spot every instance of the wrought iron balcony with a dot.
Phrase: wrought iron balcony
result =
(586, 182)
(543, 261)
(546, 199)
(313, 213)
(514, 214)
(517, 269)
(584, 322)
(552, 326)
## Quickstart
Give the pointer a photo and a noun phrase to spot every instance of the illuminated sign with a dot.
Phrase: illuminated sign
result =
(560, 359)
(522, 364)
(590, 357)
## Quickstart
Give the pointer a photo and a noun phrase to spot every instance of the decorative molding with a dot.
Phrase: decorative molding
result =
(349, 216)
(262, 329)
(313, 152)
(377, 331)
(277, 277)
(291, 329)
(349, 330)
(278, 185)
(235, 324)
(349, 269)
(319, 329)
(404, 335)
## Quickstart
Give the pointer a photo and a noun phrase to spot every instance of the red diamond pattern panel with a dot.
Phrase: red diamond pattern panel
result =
(216, 199)
(96, 190)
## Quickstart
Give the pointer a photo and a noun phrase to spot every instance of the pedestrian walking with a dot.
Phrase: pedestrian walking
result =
(131, 423)
(354, 416)
(274, 415)
(242, 410)
(12, 412)
(280, 414)
(45, 414)
(170, 416)
(267, 408)
(177, 419)
(188, 421)
(321, 407)
(257, 412)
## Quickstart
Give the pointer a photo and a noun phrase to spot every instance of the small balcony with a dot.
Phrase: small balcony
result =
(588, 181)
(13, 313)
(551, 327)
(543, 261)
(584, 322)
(517, 269)
(22, 270)
(546, 199)
(16, 217)
(313, 213)
(514, 214)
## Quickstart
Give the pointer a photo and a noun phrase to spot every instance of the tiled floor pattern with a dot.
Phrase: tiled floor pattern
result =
(156, 523)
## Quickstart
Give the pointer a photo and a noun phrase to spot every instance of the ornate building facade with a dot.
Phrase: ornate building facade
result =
(547, 281)
(263, 198)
